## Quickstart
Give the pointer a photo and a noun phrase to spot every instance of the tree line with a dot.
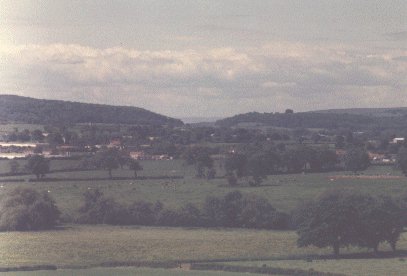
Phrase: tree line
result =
(338, 218)
(253, 163)
(232, 210)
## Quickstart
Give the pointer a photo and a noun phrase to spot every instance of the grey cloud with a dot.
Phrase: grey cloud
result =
(219, 81)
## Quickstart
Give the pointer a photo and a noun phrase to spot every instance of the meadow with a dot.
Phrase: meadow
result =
(81, 246)
(354, 267)
(174, 184)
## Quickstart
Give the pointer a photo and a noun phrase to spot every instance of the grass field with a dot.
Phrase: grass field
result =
(285, 192)
(354, 267)
(94, 245)
(19, 127)
(121, 271)
(90, 246)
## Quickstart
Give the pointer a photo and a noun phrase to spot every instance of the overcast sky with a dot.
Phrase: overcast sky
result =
(207, 58)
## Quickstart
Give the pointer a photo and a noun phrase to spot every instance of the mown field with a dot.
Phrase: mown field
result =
(354, 267)
(121, 271)
(92, 246)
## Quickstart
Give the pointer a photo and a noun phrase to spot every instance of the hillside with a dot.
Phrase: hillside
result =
(329, 119)
(35, 111)
(374, 112)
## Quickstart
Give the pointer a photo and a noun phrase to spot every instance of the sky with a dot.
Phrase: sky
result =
(205, 58)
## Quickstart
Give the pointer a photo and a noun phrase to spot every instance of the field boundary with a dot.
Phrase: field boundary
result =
(28, 268)
(379, 176)
(50, 179)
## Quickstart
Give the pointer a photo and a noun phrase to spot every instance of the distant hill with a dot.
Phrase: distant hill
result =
(328, 119)
(35, 111)
(374, 112)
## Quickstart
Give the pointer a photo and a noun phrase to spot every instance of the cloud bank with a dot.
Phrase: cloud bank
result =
(210, 82)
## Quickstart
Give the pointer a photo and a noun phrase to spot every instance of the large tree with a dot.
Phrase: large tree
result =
(339, 218)
(107, 159)
(201, 158)
(327, 221)
(402, 160)
(135, 166)
(356, 159)
(38, 165)
(382, 221)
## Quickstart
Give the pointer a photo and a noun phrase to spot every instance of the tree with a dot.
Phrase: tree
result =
(258, 168)
(323, 159)
(38, 165)
(24, 209)
(135, 166)
(402, 160)
(340, 218)
(297, 158)
(236, 163)
(107, 159)
(201, 158)
(329, 221)
(356, 159)
(382, 221)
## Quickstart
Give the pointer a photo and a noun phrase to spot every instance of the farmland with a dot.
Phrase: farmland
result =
(285, 192)
(355, 267)
(90, 246)
(122, 271)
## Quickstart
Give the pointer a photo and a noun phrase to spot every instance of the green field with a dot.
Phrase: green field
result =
(285, 192)
(92, 246)
(120, 271)
(354, 267)
(20, 127)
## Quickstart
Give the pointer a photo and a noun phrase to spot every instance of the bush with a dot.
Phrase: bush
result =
(142, 213)
(98, 209)
(25, 209)
(168, 217)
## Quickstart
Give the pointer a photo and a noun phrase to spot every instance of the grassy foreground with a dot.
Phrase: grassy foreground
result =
(121, 271)
(96, 245)
(354, 267)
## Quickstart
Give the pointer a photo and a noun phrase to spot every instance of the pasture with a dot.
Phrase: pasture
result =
(174, 184)
(285, 192)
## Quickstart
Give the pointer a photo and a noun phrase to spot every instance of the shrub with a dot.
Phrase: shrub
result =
(99, 209)
(168, 217)
(257, 212)
(190, 215)
(25, 209)
(142, 213)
